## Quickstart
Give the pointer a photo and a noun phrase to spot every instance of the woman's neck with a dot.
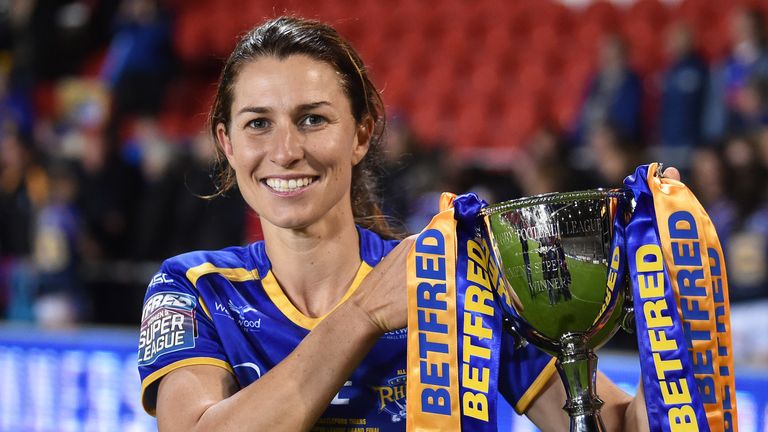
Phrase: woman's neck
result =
(315, 266)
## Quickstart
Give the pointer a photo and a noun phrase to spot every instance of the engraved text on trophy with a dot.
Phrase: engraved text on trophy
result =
(544, 247)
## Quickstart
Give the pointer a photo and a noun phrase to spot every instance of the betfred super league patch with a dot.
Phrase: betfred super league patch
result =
(167, 325)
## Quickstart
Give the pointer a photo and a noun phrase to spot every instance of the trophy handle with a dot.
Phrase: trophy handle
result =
(577, 366)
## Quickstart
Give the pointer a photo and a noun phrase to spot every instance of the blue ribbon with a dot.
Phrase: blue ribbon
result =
(642, 232)
(466, 212)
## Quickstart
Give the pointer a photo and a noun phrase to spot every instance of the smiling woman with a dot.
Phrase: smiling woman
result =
(292, 142)
(325, 51)
(304, 330)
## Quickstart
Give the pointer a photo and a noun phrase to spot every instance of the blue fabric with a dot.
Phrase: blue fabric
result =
(376, 390)
(466, 211)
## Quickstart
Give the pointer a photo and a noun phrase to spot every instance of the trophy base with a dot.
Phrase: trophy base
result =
(577, 367)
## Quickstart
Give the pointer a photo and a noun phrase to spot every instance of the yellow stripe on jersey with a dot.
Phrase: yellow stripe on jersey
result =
(536, 387)
(233, 274)
(283, 303)
(155, 376)
(205, 308)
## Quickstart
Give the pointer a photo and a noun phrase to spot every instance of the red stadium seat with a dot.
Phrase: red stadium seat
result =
(603, 14)
(544, 39)
(533, 77)
(428, 122)
(468, 124)
(189, 38)
(481, 73)
(551, 14)
(650, 11)
(589, 35)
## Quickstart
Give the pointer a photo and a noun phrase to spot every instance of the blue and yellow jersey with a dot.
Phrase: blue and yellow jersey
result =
(225, 308)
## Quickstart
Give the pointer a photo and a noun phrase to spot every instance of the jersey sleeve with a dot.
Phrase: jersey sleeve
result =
(176, 331)
(523, 373)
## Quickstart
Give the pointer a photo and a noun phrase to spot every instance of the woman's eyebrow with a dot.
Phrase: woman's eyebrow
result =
(265, 110)
(253, 109)
(312, 105)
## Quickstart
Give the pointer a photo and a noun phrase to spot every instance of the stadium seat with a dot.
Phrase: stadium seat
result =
(518, 61)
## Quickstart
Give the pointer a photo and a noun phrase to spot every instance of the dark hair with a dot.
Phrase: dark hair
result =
(285, 36)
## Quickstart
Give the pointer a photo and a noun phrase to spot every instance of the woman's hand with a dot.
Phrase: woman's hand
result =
(382, 296)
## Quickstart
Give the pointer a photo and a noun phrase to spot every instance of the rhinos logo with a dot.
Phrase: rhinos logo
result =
(391, 398)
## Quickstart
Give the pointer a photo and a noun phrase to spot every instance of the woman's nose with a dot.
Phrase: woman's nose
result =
(287, 148)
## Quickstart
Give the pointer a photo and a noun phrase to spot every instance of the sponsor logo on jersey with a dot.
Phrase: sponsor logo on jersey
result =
(167, 325)
(396, 334)
(160, 278)
(391, 397)
(244, 315)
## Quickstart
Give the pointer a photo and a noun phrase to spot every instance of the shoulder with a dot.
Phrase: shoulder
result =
(231, 257)
(373, 247)
(184, 270)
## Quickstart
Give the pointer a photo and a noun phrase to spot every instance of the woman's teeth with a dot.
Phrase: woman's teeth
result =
(282, 185)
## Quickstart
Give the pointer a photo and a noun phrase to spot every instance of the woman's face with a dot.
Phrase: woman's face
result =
(292, 141)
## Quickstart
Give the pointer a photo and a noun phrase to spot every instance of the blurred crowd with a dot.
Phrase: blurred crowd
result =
(93, 195)
(94, 191)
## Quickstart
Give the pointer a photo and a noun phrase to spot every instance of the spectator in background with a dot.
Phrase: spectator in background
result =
(22, 190)
(747, 60)
(745, 243)
(543, 165)
(683, 91)
(707, 181)
(411, 177)
(161, 185)
(106, 198)
(614, 95)
(750, 110)
(22, 185)
(613, 156)
(60, 300)
(489, 184)
(15, 106)
(139, 62)
(747, 246)
(205, 223)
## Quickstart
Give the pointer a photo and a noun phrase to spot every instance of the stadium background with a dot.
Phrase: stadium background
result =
(103, 149)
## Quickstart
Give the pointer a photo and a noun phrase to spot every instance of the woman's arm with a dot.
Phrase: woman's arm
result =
(620, 412)
(289, 397)
(292, 395)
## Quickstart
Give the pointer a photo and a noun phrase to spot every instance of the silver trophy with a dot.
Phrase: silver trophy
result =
(561, 274)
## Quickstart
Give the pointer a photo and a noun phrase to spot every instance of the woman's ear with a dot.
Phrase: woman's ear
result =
(362, 140)
(222, 140)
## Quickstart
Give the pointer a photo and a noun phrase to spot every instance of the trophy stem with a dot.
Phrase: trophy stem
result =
(577, 366)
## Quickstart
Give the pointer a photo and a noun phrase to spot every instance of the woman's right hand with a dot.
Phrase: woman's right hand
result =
(382, 296)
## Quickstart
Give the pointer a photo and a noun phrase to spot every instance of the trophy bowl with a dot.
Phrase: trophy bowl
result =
(561, 269)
